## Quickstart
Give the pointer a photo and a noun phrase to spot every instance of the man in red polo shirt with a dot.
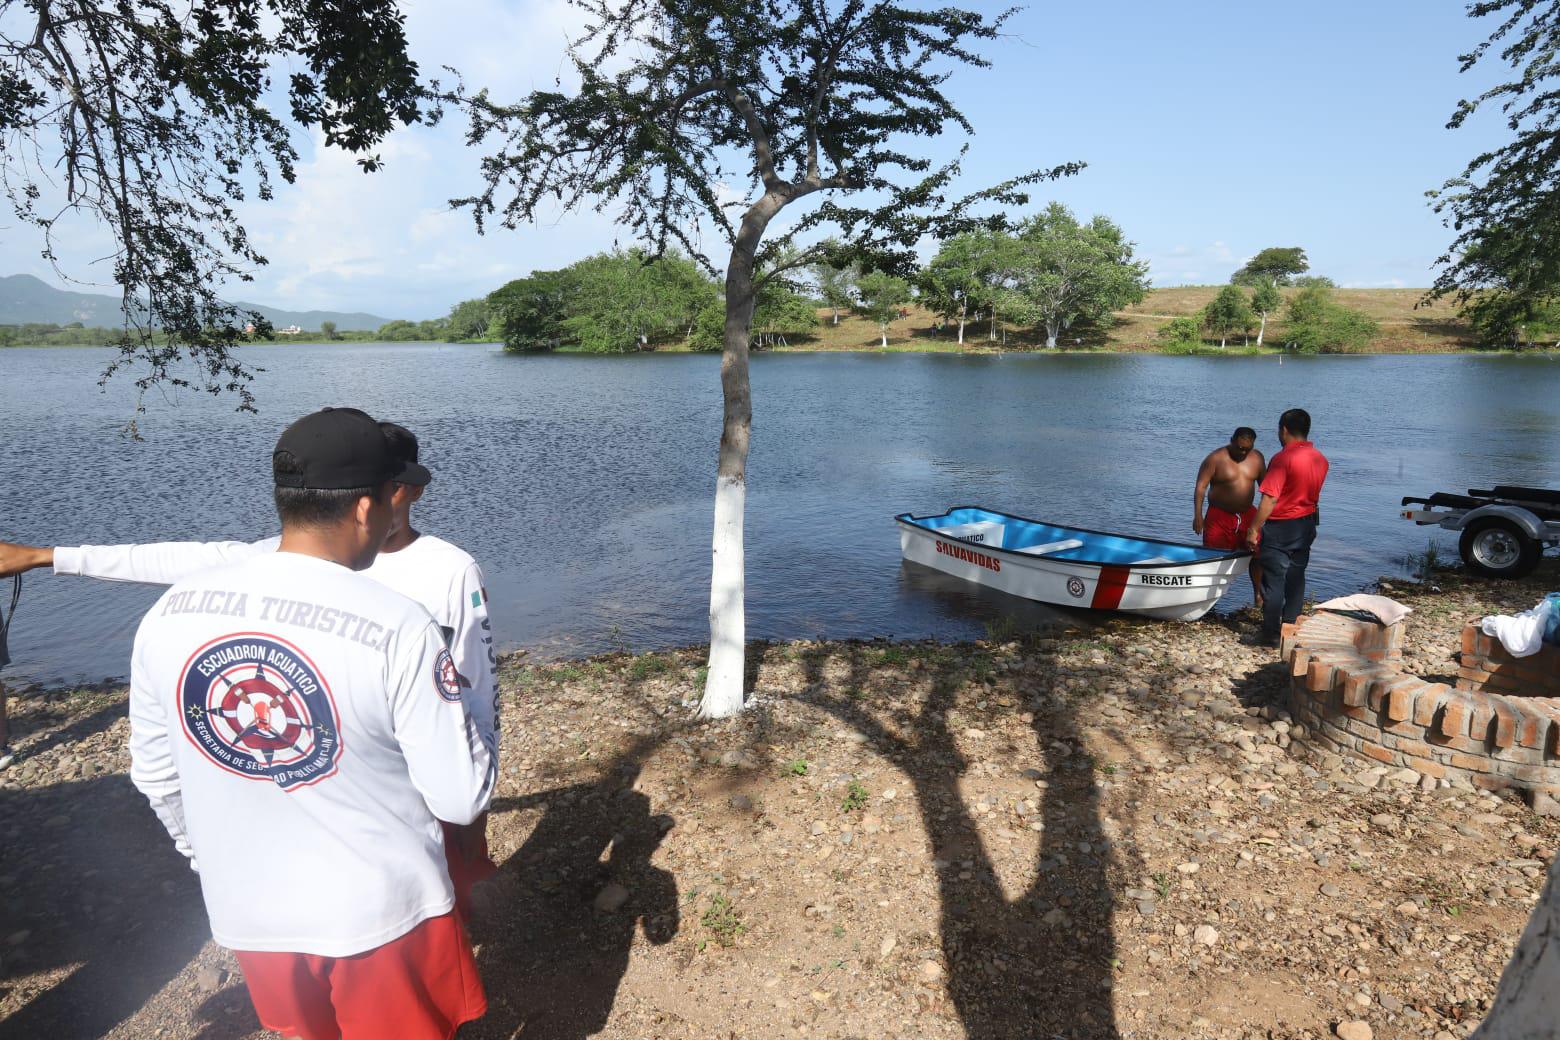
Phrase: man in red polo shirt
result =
(1286, 521)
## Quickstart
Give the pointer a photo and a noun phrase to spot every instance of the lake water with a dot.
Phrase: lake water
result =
(583, 484)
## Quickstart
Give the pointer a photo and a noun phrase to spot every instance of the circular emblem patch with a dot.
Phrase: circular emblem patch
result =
(446, 678)
(256, 706)
(1075, 587)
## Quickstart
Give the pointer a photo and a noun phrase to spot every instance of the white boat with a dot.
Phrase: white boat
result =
(1072, 566)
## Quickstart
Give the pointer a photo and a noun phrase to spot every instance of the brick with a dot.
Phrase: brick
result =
(1416, 748)
(1470, 636)
(1400, 700)
(1297, 663)
(1469, 762)
(1454, 717)
(1481, 719)
(1505, 724)
(1465, 745)
(1476, 676)
(1380, 754)
(1490, 782)
(1319, 676)
(1531, 774)
(1432, 769)
(1532, 727)
(1428, 703)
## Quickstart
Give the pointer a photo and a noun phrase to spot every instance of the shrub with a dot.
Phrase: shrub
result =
(1318, 324)
(1181, 330)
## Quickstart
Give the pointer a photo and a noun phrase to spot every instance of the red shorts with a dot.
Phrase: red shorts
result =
(1226, 530)
(466, 855)
(422, 986)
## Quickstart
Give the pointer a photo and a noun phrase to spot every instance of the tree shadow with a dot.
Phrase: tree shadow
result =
(97, 884)
(551, 955)
(1040, 965)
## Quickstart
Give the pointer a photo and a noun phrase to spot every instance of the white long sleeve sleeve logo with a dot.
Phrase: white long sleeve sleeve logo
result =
(258, 707)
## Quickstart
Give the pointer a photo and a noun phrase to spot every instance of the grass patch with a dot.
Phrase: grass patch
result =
(797, 767)
(855, 797)
(721, 921)
(649, 666)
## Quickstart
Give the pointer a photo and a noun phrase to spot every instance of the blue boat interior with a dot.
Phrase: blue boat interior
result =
(976, 526)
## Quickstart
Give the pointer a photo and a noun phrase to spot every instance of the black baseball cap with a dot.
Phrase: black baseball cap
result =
(403, 445)
(334, 449)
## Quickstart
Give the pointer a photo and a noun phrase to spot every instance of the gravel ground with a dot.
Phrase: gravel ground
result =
(1100, 833)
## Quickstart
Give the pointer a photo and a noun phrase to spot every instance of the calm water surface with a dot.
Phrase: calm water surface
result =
(583, 484)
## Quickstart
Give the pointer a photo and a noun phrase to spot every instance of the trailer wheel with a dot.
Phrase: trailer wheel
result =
(1498, 548)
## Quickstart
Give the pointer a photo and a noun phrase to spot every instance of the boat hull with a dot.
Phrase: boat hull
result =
(1177, 590)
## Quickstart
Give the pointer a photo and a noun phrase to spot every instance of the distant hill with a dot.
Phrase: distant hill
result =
(24, 299)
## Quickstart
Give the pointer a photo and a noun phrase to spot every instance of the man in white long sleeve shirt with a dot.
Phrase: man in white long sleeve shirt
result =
(300, 731)
(433, 572)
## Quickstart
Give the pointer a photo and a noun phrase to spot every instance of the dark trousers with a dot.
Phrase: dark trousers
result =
(1285, 551)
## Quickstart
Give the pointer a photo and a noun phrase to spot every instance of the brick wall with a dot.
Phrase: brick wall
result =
(1487, 666)
(1348, 688)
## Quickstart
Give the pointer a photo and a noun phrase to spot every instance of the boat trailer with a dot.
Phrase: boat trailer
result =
(1505, 530)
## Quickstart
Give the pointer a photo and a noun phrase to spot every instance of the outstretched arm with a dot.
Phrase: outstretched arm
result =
(15, 558)
(156, 563)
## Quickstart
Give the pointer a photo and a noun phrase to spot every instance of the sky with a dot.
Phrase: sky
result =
(1210, 129)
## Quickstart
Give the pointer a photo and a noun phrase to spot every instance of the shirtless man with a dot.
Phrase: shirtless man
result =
(1229, 477)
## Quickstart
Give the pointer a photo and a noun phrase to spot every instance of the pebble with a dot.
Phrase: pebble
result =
(1206, 934)
(209, 978)
(886, 947)
(741, 803)
(1354, 1031)
(931, 971)
(1331, 890)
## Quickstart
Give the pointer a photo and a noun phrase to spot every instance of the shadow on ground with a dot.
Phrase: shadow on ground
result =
(1040, 965)
(96, 884)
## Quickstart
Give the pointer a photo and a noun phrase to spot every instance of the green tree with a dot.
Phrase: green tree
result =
(624, 300)
(1307, 281)
(1058, 271)
(1505, 208)
(1265, 300)
(528, 313)
(328, 329)
(1179, 331)
(1276, 264)
(1227, 312)
(781, 311)
(959, 282)
(468, 320)
(164, 118)
(834, 276)
(882, 296)
(1317, 323)
(793, 100)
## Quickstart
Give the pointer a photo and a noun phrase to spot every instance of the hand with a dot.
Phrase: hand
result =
(469, 839)
(14, 559)
(1252, 535)
(1197, 523)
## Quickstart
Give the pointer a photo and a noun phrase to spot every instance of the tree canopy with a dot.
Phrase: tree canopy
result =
(1056, 271)
(1276, 264)
(158, 118)
(1228, 312)
(1317, 323)
(1505, 207)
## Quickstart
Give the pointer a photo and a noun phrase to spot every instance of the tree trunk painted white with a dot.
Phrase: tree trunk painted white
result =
(836, 311)
(723, 693)
(1222, 338)
(1526, 1006)
(883, 332)
(962, 306)
(1052, 328)
(1262, 329)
